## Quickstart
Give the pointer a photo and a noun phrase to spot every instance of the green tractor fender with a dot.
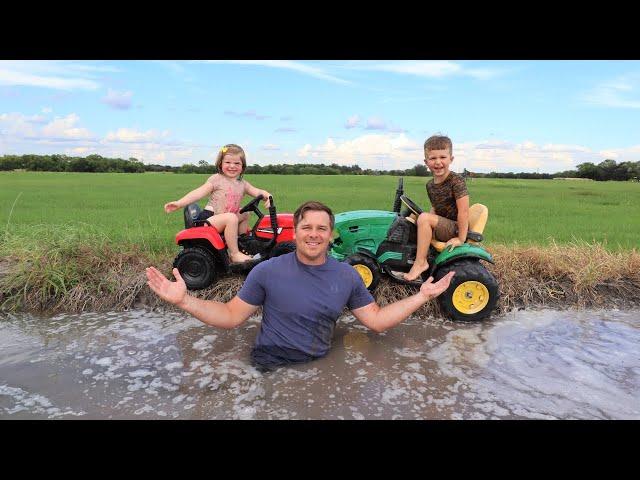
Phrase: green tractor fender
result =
(466, 250)
(367, 253)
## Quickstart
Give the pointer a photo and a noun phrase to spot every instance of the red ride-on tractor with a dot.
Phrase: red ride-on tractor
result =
(204, 258)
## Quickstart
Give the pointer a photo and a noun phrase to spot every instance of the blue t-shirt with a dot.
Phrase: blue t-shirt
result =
(301, 303)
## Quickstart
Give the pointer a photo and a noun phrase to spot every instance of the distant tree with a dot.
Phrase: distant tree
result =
(587, 170)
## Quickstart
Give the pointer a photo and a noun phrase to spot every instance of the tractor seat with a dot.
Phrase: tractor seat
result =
(478, 215)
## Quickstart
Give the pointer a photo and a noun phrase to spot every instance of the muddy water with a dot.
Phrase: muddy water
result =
(145, 365)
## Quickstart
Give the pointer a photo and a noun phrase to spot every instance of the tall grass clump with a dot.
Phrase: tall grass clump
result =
(68, 268)
(579, 274)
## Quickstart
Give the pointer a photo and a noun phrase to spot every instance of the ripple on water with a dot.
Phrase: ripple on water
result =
(528, 364)
(549, 364)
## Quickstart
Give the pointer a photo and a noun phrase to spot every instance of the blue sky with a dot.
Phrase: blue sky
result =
(543, 116)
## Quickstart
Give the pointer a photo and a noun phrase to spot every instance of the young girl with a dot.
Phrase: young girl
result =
(226, 189)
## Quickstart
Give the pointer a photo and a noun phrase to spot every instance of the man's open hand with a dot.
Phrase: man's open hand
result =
(431, 290)
(172, 292)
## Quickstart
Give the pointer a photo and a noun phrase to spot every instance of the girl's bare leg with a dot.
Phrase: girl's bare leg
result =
(228, 223)
(243, 223)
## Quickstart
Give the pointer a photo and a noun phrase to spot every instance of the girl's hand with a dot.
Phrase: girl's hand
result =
(266, 196)
(171, 207)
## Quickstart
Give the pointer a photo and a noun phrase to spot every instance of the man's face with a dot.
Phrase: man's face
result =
(438, 162)
(312, 235)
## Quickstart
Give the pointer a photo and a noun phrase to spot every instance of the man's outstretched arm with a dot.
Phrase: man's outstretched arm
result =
(216, 314)
(379, 318)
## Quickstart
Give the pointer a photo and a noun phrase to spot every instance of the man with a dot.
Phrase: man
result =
(302, 294)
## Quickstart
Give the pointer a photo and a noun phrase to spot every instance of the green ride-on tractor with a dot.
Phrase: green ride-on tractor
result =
(377, 242)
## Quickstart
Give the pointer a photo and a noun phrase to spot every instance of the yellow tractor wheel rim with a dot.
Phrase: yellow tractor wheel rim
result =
(365, 273)
(470, 297)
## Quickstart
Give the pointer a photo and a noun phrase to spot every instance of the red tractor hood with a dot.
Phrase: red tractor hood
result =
(285, 227)
(204, 233)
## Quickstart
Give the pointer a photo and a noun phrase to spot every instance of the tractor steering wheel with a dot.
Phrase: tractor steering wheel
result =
(411, 205)
(252, 205)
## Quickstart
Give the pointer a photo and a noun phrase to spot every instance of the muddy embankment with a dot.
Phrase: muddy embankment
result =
(557, 276)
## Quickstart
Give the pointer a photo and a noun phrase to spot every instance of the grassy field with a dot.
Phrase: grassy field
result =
(125, 209)
(77, 242)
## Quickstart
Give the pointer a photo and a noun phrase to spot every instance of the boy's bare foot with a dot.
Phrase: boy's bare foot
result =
(239, 257)
(415, 271)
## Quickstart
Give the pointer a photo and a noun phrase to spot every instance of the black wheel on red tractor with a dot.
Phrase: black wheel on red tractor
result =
(282, 248)
(197, 266)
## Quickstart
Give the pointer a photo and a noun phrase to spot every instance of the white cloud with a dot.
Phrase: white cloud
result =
(391, 151)
(249, 113)
(628, 154)
(352, 121)
(386, 151)
(426, 68)
(621, 92)
(118, 100)
(527, 156)
(179, 70)
(373, 123)
(17, 125)
(431, 69)
(564, 148)
(55, 75)
(40, 119)
(312, 71)
(396, 129)
(64, 128)
(376, 123)
(129, 135)
(152, 153)
(79, 151)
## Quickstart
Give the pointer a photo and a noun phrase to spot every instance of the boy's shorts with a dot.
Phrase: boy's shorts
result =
(446, 229)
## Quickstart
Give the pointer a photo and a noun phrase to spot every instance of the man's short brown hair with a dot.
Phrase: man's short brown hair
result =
(315, 206)
(438, 142)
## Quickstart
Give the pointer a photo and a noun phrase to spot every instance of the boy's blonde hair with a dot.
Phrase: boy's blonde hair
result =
(233, 149)
(438, 142)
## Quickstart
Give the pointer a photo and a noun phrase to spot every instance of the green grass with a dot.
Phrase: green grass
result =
(124, 209)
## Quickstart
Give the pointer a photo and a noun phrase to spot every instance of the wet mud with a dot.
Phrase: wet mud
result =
(141, 364)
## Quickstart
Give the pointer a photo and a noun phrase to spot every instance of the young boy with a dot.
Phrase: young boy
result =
(448, 218)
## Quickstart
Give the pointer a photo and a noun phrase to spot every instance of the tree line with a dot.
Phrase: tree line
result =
(64, 163)
(99, 164)
(605, 170)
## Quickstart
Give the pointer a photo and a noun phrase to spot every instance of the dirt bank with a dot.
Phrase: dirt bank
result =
(559, 276)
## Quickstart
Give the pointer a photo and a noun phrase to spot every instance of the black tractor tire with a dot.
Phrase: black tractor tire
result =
(367, 268)
(473, 292)
(197, 266)
(282, 248)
